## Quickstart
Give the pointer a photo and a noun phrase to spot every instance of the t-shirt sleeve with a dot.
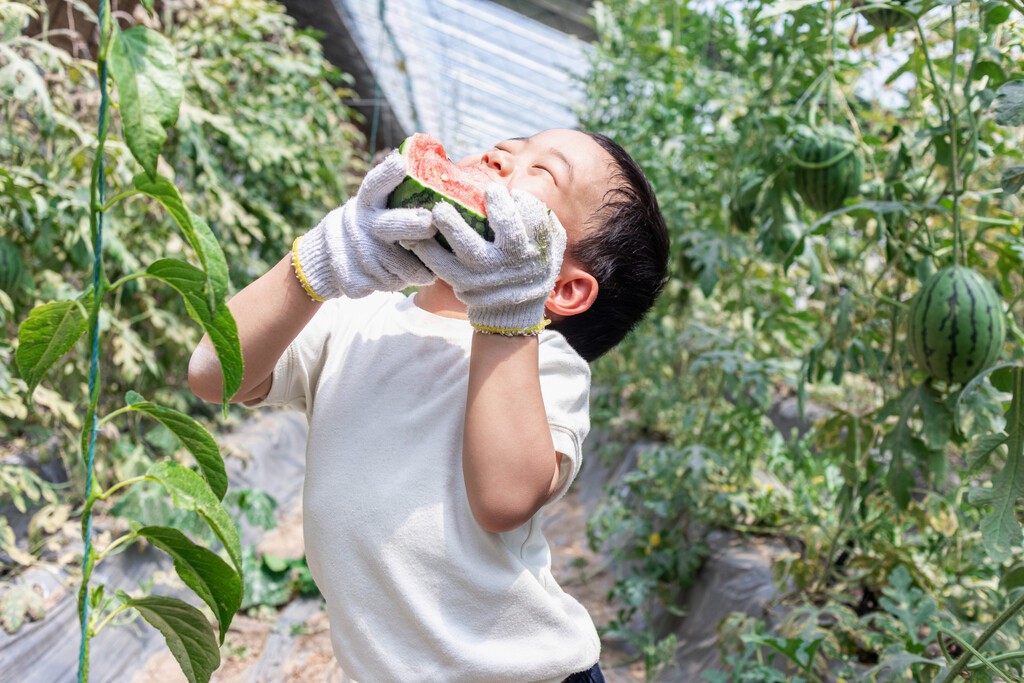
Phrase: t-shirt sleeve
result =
(298, 371)
(565, 386)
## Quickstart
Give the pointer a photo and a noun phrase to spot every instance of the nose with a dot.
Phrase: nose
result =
(500, 161)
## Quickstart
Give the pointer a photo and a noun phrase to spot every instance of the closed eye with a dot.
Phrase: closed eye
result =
(547, 169)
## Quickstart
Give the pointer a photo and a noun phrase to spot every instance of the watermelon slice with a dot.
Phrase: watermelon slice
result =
(432, 177)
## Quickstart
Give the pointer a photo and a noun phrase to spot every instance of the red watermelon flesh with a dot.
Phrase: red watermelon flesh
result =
(432, 177)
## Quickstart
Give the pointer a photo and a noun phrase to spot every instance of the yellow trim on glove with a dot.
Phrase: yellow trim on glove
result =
(297, 267)
(513, 332)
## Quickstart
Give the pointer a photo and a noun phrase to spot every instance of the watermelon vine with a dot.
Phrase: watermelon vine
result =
(143, 66)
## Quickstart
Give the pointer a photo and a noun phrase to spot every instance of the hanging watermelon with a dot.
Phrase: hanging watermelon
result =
(827, 167)
(883, 16)
(956, 325)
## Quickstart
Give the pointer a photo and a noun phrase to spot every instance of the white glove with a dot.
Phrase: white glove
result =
(503, 283)
(354, 250)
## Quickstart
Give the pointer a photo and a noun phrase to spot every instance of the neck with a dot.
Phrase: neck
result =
(439, 299)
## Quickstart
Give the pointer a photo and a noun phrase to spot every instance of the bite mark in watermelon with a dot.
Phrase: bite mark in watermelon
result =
(432, 177)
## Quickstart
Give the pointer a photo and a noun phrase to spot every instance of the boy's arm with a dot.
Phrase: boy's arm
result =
(352, 252)
(508, 458)
(509, 461)
(270, 312)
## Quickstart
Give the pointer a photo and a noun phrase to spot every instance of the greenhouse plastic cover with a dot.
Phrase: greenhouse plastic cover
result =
(468, 72)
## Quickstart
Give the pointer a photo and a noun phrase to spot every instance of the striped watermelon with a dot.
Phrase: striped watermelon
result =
(886, 18)
(956, 325)
(431, 177)
(827, 168)
(12, 268)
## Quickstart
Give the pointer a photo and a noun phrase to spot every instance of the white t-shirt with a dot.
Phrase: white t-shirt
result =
(415, 589)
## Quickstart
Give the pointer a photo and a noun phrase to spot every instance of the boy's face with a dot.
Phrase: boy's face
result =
(565, 169)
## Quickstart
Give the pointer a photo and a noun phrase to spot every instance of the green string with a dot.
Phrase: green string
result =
(95, 343)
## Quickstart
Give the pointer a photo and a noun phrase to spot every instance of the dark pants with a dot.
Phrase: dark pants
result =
(591, 675)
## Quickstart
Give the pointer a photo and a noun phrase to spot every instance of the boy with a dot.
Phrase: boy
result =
(441, 423)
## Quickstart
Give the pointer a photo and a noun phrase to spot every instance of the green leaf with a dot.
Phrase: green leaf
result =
(900, 483)
(264, 586)
(188, 634)
(798, 650)
(908, 603)
(1000, 529)
(193, 436)
(23, 81)
(220, 325)
(190, 492)
(995, 14)
(936, 418)
(276, 564)
(48, 332)
(257, 506)
(982, 449)
(903, 440)
(143, 64)
(196, 231)
(203, 571)
(1013, 577)
(17, 603)
(1013, 179)
(1010, 103)
(897, 664)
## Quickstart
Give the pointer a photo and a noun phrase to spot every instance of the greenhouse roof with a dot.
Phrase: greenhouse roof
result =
(469, 72)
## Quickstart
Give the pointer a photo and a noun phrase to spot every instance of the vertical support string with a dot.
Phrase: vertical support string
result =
(83, 666)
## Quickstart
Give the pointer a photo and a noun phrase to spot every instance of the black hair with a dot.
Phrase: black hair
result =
(627, 253)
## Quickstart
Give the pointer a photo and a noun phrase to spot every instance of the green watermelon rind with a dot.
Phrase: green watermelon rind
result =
(887, 18)
(827, 168)
(956, 326)
(411, 193)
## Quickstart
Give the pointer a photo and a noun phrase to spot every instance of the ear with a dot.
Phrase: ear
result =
(574, 291)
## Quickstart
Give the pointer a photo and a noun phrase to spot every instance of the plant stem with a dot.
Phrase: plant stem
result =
(892, 302)
(106, 620)
(111, 416)
(97, 193)
(111, 491)
(831, 59)
(128, 278)
(123, 195)
(939, 99)
(115, 543)
(954, 129)
(1005, 657)
(969, 96)
(845, 514)
(972, 651)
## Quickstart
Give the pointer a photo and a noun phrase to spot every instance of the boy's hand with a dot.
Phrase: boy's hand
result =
(504, 283)
(354, 250)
